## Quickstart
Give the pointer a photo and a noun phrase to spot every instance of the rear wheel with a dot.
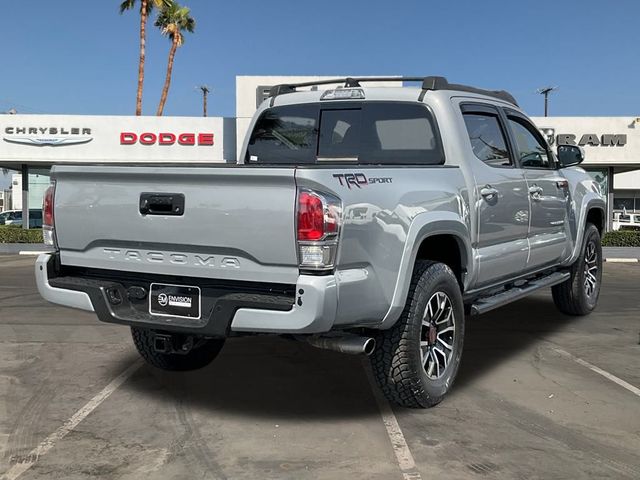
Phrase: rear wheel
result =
(200, 355)
(417, 360)
(579, 294)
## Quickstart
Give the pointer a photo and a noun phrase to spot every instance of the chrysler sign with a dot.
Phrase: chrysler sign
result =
(47, 136)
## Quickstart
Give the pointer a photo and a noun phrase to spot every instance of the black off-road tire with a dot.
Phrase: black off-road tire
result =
(200, 356)
(571, 297)
(397, 360)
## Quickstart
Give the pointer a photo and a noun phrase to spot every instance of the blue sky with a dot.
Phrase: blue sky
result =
(80, 57)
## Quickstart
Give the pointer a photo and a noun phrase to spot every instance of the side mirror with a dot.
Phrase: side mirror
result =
(570, 155)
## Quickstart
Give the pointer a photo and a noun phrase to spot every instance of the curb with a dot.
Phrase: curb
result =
(22, 248)
(621, 260)
(30, 252)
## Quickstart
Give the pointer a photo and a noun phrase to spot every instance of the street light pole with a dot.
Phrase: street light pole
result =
(205, 91)
(546, 91)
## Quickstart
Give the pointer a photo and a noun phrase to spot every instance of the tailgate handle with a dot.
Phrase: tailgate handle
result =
(161, 203)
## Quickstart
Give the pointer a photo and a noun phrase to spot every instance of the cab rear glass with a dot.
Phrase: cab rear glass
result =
(373, 133)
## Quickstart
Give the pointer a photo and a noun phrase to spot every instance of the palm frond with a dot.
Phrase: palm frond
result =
(127, 5)
(173, 19)
(151, 4)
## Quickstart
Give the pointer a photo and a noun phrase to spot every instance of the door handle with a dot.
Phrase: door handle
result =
(535, 191)
(488, 192)
(162, 204)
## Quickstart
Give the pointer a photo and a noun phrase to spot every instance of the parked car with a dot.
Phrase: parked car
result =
(14, 217)
(364, 220)
(626, 221)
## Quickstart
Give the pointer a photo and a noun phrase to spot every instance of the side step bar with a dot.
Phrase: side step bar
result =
(485, 304)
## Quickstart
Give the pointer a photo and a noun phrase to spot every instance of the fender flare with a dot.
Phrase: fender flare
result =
(423, 226)
(589, 202)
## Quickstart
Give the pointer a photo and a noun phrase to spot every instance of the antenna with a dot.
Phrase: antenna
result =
(546, 91)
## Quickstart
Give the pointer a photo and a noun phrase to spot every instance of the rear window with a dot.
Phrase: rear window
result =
(380, 133)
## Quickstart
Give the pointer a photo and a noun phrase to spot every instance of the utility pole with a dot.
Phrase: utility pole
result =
(205, 91)
(546, 91)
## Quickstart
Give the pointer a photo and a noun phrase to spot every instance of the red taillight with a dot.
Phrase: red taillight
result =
(47, 207)
(310, 217)
(319, 218)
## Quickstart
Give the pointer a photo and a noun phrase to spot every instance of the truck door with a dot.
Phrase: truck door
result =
(501, 197)
(548, 193)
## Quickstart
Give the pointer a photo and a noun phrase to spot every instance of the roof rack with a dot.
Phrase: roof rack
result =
(428, 83)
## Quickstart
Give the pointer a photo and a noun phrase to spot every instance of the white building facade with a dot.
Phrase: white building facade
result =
(31, 144)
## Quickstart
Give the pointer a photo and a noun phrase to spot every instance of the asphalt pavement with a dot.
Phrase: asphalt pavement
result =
(539, 396)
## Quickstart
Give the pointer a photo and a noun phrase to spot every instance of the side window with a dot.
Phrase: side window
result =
(285, 135)
(487, 139)
(532, 153)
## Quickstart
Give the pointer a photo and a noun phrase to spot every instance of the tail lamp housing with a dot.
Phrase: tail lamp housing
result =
(48, 228)
(318, 222)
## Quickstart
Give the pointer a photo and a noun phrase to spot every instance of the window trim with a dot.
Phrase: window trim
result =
(342, 105)
(521, 119)
(472, 108)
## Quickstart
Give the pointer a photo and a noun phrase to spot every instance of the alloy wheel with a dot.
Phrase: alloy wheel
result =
(590, 269)
(437, 335)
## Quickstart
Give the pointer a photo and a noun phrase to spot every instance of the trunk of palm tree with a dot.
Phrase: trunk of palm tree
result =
(143, 25)
(167, 80)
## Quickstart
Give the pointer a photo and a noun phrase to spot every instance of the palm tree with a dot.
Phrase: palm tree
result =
(172, 21)
(145, 8)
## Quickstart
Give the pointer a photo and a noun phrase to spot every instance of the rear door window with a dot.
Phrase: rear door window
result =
(487, 138)
(377, 133)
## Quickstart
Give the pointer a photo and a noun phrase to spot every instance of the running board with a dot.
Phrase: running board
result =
(486, 304)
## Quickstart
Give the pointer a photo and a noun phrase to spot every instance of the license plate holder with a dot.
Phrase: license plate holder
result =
(182, 301)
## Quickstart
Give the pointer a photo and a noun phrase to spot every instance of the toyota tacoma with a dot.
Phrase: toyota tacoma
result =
(362, 219)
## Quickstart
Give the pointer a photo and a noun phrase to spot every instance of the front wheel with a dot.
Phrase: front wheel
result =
(417, 360)
(579, 294)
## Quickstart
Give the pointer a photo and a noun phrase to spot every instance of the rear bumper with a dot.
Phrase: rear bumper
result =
(307, 307)
(68, 298)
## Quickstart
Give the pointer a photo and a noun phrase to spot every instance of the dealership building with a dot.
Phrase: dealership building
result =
(31, 144)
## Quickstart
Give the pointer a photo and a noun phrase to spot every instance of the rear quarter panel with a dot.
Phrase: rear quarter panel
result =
(386, 214)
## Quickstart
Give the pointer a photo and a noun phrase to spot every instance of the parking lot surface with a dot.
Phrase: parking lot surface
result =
(536, 398)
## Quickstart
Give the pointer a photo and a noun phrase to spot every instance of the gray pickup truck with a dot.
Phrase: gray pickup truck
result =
(360, 219)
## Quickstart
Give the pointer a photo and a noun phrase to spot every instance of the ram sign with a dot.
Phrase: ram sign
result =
(607, 141)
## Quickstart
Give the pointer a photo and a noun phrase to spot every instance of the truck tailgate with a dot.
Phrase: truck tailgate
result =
(238, 222)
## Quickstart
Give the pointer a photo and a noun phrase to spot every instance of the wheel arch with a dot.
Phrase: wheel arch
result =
(593, 211)
(438, 236)
(596, 215)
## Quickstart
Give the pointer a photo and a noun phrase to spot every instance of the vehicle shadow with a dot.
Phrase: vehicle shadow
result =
(268, 377)
(273, 377)
(491, 339)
